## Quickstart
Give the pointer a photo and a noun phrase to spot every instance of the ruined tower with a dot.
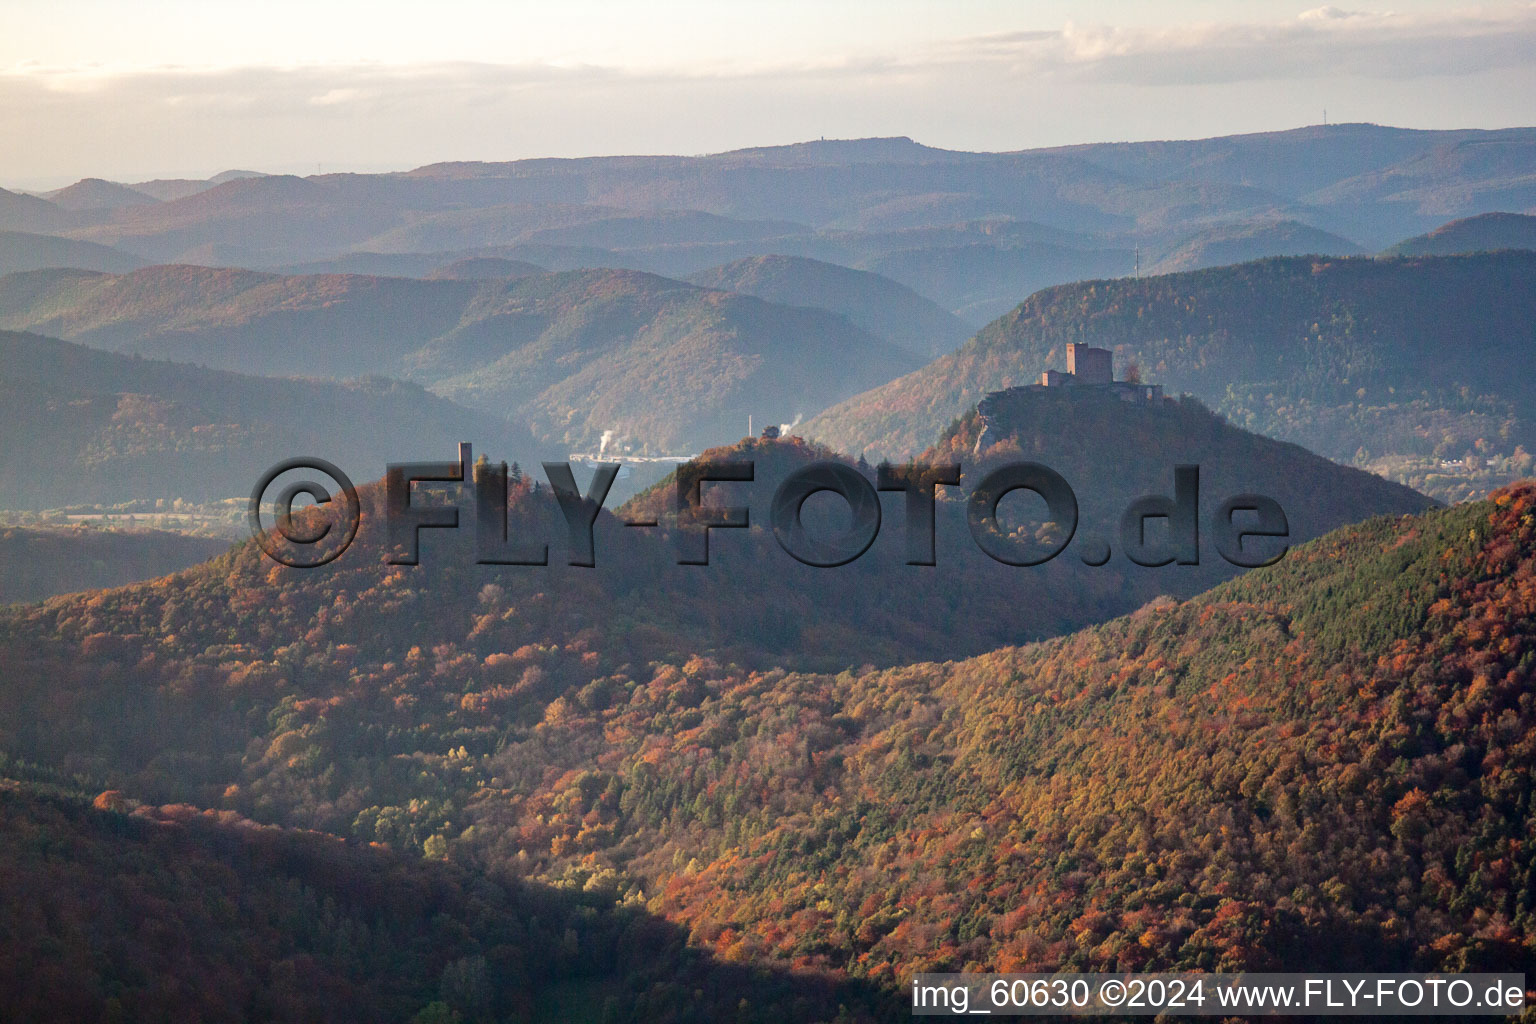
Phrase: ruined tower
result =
(1090, 365)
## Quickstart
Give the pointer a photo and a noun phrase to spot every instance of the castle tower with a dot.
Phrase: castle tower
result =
(1090, 365)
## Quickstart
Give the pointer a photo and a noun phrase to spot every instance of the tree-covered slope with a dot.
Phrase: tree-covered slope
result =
(117, 910)
(661, 364)
(1319, 766)
(1404, 366)
(1322, 763)
(364, 632)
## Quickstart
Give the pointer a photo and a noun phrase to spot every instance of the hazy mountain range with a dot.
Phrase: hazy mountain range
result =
(673, 366)
(1338, 189)
(877, 304)
(665, 366)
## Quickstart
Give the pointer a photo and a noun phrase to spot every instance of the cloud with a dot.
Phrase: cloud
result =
(332, 97)
(1331, 13)
(1324, 41)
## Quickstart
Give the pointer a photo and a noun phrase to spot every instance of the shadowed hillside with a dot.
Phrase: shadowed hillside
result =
(20, 251)
(140, 912)
(21, 212)
(39, 563)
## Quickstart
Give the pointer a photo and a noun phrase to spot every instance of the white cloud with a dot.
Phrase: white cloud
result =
(1331, 13)
(333, 97)
(1323, 41)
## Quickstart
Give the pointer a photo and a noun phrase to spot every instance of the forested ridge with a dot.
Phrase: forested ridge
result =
(38, 563)
(1412, 367)
(88, 426)
(160, 653)
(142, 912)
(1326, 762)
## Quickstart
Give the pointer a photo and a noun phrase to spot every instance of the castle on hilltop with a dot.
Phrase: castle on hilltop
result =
(1090, 372)
(1089, 367)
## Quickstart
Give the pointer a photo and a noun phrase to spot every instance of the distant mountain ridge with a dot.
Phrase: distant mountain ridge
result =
(1241, 243)
(879, 305)
(837, 201)
(167, 189)
(21, 212)
(485, 268)
(663, 364)
(1488, 232)
(21, 250)
(94, 194)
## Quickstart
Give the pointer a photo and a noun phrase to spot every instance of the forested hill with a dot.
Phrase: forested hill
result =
(83, 426)
(1322, 764)
(1113, 452)
(1326, 766)
(197, 667)
(117, 910)
(1361, 360)
(1487, 232)
(1110, 452)
(37, 563)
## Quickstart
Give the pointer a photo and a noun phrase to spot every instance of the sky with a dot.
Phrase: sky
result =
(176, 88)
